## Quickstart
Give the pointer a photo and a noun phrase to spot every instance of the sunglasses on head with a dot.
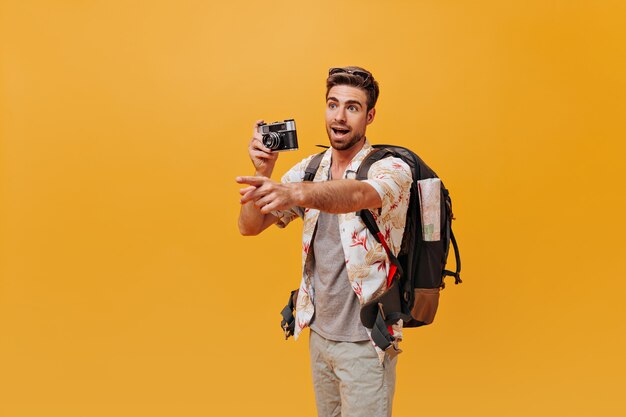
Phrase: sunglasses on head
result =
(358, 73)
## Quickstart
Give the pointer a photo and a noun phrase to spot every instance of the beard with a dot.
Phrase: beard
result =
(346, 142)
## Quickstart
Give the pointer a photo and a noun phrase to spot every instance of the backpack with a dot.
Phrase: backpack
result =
(417, 274)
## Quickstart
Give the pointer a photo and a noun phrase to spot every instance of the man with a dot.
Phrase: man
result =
(343, 266)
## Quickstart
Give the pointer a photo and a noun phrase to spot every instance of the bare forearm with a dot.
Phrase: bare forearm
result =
(251, 221)
(339, 196)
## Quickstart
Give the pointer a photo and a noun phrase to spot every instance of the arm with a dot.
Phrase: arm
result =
(387, 187)
(251, 220)
(339, 196)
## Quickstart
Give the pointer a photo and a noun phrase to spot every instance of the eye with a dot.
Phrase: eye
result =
(353, 108)
(331, 105)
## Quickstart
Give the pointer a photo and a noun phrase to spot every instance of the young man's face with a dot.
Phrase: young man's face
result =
(347, 116)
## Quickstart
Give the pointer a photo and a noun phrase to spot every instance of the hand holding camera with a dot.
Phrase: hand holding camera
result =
(261, 156)
(267, 140)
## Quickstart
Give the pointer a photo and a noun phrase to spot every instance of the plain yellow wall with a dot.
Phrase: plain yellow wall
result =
(126, 289)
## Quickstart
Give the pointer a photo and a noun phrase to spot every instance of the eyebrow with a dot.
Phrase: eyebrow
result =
(347, 101)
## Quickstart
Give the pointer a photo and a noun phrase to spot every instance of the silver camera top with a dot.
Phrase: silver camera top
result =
(285, 125)
(279, 136)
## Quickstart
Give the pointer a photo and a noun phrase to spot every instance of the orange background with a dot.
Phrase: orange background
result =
(126, 290)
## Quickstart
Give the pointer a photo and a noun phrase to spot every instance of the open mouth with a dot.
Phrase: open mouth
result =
(338, 131)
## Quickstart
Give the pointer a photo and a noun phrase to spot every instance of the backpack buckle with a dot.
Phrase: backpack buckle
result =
(393, 350)
(287, 330)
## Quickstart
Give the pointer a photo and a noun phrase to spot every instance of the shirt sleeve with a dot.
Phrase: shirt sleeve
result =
(392, 179)
(295, 174)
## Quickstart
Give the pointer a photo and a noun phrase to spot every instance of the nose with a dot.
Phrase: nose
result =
(340, 114)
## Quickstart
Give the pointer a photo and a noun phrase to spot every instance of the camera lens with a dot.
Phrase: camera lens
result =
(271, 140)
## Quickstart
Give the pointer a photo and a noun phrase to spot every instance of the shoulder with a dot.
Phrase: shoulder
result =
(391, 165)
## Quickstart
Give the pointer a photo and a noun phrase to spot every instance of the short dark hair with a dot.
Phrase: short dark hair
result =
(347, 76)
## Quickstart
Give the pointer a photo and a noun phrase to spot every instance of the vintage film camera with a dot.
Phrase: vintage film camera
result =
(279, 136)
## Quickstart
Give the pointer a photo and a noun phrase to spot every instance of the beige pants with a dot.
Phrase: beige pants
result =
(348, 379)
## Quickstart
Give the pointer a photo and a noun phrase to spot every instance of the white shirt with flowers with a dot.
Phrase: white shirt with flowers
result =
(366, 260)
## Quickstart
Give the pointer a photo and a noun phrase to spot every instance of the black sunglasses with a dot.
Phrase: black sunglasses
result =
(362, 74)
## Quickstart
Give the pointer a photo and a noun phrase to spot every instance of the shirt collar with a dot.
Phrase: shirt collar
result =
(353, 166)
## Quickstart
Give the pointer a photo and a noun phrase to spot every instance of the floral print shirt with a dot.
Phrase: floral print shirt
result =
(366, 260)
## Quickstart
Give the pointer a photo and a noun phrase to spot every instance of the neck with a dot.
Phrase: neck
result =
(341, 159)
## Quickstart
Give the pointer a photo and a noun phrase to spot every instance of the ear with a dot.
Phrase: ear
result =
(370, 115)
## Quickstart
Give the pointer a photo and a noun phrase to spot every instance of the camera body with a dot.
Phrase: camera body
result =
(279, 136)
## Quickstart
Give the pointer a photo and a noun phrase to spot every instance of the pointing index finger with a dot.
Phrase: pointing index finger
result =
(256, 181)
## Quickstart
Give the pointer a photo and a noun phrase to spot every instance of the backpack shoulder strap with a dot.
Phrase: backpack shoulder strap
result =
(311, 168)
(374, 156)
